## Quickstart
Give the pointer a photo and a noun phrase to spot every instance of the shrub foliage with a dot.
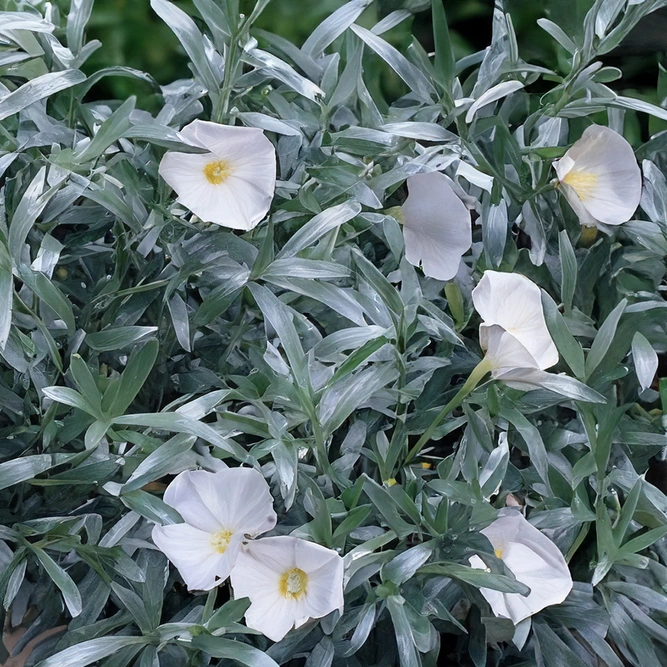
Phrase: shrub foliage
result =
(138, 342)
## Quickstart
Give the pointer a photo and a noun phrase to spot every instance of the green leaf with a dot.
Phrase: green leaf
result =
(387, 506)
(444, 56)
(85, 382)
(604, 338)
(134, 376)
(151, 507)
(218, 647)
(333, 26)
(24, 468)
(37, 89)
(85, 653)
(531, 436)
(644, 540)
(172, 421)
(79, 14)
(191, 39)
(565, 342)
(63, 581)
(112, 129)
(160, 462)
(403, 567)
(568, 268)
(407, 652)
(30, 207)
(379, 283)
(411, 75)
(6, 293)
(318, 226)
(117, 338)
(479, 578)
(72, 398)
(230, 612)
(280, 317)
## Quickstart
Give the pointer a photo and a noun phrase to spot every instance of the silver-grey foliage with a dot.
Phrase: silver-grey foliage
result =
(137, 342)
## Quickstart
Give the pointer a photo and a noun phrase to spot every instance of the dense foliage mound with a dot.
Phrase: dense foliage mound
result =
(333, 344)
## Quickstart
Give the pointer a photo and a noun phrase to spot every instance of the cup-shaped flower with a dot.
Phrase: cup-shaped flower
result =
(514, 332)
(288, 581)
(231, 185)
(533, 559)
(436, 226)
(219, 510)
(600, 177)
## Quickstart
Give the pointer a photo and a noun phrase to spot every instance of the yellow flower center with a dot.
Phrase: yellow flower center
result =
(582, 182)
(220, 540)
(293, 583)
(218, 171)
(498, 552)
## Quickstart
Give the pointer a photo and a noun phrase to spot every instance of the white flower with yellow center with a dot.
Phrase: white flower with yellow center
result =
(288, 581)
(533, 559)
(600, 177)
(233, 184)
(436, 226)
(219, 509)
(514, 332)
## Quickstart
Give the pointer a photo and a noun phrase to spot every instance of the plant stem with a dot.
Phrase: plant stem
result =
(228, 80)
(482, 368)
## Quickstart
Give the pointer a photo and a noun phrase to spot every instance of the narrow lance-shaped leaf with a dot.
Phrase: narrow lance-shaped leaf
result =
(37, 89)
(333, 26)
(645, 359)
(63, 581)
(444, 57)
(413, 77)
(189, 36)
(6, 294)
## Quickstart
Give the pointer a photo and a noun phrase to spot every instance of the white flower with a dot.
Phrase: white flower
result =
(533, 559)
(436, 226)
(514, 332)
(600, 177)
(233, 184)
(288, 581)
(219, 510)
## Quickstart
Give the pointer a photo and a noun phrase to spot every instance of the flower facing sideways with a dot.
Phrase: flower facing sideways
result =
(600, 177)
(231, 185)
(288, 581)
(436, 226)
(219, 510)
(514, 332)
(533, 559)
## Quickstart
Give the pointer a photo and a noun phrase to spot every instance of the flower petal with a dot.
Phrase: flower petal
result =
(533, 559)
(183, 495)
(325, 578)
(233, 499)
(242, 198)
(602, 170)
(257, 576)
(437, 228)
(503, 351)
(190, 550)
(240, 499)
(273, 617)
(514, 302)
(547, 582)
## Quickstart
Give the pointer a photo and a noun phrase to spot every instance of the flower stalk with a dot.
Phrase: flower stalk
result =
(478, 373)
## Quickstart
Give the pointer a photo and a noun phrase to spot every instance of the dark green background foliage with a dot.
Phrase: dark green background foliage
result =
(141, 342)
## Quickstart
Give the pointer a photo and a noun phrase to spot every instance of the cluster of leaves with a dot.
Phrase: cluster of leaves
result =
(137, 343)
